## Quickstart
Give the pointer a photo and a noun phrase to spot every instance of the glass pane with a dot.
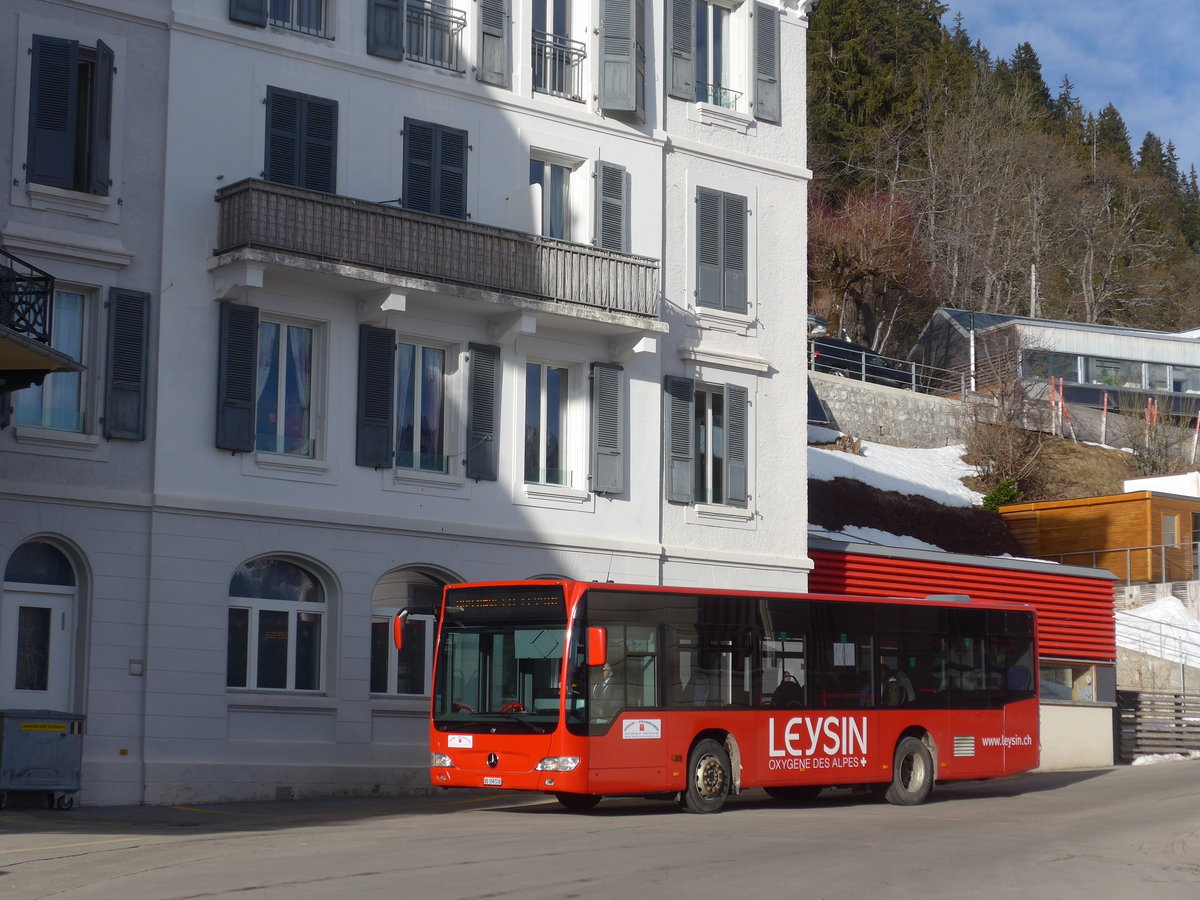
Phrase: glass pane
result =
(556, 203)
(433, 369)
(533, 421)
(410, 668)
(266, 428)
(1158, 377)
(308, 651)
(275, 579)
(238, 648)
(720, 17)
(1041, 364)
(37, 562)
(381, 646)
(1185, 380)
(702, 79)
(1115, 372)
(33, 648)
(272, 649)
(406, 389)
(58, 401)
(298, 392)
(556, 412)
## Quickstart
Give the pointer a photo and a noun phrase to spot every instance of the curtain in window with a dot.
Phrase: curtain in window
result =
(297, 401)
(432, 369)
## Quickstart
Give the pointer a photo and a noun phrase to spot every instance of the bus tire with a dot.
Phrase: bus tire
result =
(912, 773)
(794, 793)
(578, 802)
(708, 778)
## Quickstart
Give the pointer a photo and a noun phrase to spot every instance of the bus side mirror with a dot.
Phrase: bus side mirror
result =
(597, 646)
(398, 623)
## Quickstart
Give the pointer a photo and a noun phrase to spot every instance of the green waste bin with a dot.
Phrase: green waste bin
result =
(41, 750)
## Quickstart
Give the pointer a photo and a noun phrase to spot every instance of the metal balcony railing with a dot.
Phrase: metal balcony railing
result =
(26, 295)
(304, 16)
(257, 214)
(433, 35)
(724, 97)
(558, 65)
(1151, 564)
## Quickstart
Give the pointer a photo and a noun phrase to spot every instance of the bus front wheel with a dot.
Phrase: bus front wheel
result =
(708, 778)
(578, 802)
(912, 773)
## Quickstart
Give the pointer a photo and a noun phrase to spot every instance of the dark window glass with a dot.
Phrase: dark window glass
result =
(381, 645)
(37, 562)
(272, 649)
(308, 651)
(33, 648)
(275, 579)
(410, 665)
(237, 656)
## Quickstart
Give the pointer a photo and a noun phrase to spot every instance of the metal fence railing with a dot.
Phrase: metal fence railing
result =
(1149, 564)
(558, 65)
(433, 34)
(863, 365)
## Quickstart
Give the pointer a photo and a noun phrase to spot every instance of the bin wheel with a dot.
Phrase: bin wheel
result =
(66, 801)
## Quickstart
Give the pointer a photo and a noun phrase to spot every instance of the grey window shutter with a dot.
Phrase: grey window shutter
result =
(101, 123)
(385, 28)
(681, 72)
(680, 402)
(251, 12)
(236, 375)
(608, 429)
(376, 390)
(494, 42)
(418, 165)
(283, 137)
(639, 62)
(483, 399)
(451, 184)
(612, 204)
(125, 379)
(736, 444)
(733, 251)
(319, 145)
(766, 63)
(617, 55)
(53, 105)
(709, 276)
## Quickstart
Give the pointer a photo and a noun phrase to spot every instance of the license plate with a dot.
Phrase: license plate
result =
(492, 781)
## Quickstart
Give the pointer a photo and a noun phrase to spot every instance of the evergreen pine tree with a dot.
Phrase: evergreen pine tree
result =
(1150, 158)
(1026, 70)
(1111, 135)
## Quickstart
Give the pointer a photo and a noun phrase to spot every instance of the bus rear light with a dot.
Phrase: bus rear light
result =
(557, 764)
(440, 761)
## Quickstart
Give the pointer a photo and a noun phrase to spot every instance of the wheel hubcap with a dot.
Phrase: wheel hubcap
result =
(710, 777)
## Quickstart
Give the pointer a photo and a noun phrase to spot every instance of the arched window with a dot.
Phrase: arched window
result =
(276, 627)
(403, 672)
(37, 562)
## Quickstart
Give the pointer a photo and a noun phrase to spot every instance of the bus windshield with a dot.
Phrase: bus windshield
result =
(500, 659)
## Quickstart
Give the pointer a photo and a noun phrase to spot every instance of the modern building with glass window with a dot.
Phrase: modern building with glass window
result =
(366, 297)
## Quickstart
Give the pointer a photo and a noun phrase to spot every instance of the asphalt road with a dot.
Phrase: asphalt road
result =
(1124, 832)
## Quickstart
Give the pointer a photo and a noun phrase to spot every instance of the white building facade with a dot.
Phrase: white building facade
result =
(382, 295)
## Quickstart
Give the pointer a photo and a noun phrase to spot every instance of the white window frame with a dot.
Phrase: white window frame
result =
(420, 346)
(575, 208)
(316, 388)
(385, 615)
(565, 424)
(704, 448)
(736, 49)
(293, 608)
(88, 355)
(285, 14)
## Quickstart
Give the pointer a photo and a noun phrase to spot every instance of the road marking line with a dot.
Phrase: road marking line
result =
(68, 846)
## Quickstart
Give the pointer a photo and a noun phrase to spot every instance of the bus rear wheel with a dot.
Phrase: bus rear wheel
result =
(798, 793)
(912, 773)
(578, 802)
(708, 778)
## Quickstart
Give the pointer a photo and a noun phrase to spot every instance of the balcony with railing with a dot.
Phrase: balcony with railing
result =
(26, 326)
(433, 34)
(329, 229)
(303, 16)
(558, 66)
(715, 94)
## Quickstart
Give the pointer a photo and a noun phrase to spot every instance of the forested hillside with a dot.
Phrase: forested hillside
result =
(948, 174)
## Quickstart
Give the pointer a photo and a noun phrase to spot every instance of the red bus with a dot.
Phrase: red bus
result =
(586, 690)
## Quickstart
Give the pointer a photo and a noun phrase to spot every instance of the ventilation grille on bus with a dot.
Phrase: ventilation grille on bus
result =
(964, 746)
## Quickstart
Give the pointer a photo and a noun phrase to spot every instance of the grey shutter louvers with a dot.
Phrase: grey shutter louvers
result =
(736, 444)
(494, 42)
(435, 169)
(679, 411)
(721, 250)
(249, 12)
(483, 398)
(101, 121)
(53, 105)
(612, 205)
(608, 429)
(385, 28)
(125, 378)
(236, 375)
(376, 389)
(301, 141)
(733, 251)
(618, 30)
(681, 63)
(766, 63)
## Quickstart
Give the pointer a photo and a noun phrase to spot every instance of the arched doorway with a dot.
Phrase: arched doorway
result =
(406, 672)
(37, 629)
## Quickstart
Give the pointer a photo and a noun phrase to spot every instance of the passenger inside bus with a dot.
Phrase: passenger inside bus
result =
(789, 694)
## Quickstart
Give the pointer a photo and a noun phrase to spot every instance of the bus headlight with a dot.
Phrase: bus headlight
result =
(440, 761)
(557, 764)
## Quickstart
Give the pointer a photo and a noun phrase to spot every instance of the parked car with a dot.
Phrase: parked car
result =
(849, 360)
